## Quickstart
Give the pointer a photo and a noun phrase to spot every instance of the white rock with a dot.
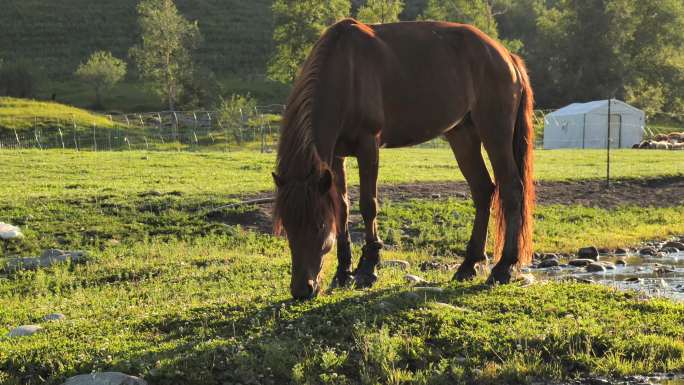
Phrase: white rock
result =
(48, 258)
(402, 265)
(8, 231)
(24, 331)
(106, 378)
(414, 278)
(55, 317)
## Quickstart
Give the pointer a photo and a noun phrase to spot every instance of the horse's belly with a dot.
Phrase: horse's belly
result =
(402, 135)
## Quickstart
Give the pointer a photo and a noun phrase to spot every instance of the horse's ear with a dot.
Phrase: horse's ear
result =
(325, 182)
(278, 180)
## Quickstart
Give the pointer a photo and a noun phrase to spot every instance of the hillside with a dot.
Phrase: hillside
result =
(23, 114)
(57, 35)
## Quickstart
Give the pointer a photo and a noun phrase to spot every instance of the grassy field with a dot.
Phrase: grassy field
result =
(179, 296)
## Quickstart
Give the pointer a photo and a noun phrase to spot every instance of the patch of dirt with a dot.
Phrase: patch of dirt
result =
(661, 192)
(658, 192)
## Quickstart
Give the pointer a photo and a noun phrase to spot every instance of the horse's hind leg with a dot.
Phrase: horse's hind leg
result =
(343, 277)
(467, 148)
(368, 157)
(496, 132)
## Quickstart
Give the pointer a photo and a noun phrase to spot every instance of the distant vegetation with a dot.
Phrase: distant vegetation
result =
(576, 51)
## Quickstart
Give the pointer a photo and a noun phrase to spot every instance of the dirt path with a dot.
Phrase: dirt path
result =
(661, 192)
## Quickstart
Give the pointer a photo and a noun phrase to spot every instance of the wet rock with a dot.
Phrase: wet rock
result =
(649, 251)
(633, 279)
(676, 245)
(549, 256)
(595, 268)
(590, 252)
(414, 278)
(55, 317)
(106, 378)
(580, 262)
(663, 270)
(436, 196)
(537, 256)
(608, 265)
(669, 250)
(620, 251)
(545, 264)
(605, 250)
(620, 262)
(24, 331)
(402, 265)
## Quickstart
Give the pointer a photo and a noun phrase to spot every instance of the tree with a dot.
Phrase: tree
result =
(164, 55)
(233, 114)
(299, 23)
(479, 13)
(17, 79)
(102, 71)
(381, 11)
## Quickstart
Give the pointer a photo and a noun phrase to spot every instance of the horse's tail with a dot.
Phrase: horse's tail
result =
(523, 151)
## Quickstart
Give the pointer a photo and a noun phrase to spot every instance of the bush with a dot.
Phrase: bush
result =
(234, 113)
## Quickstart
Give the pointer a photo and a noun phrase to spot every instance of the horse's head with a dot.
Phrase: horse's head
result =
(306, 210)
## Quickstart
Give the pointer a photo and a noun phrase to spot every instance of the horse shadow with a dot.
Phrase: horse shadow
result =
(262, 344)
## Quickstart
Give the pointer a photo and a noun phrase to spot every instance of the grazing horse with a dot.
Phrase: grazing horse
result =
(364, 87)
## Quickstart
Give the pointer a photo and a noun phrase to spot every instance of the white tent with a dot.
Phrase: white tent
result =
(585, 125)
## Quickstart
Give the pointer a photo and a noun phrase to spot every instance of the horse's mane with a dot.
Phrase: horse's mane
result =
(298, 157)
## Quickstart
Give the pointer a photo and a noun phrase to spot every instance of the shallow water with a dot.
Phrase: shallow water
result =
(657, 276)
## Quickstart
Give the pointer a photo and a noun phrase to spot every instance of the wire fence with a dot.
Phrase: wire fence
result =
(170, 130)
(258, 129)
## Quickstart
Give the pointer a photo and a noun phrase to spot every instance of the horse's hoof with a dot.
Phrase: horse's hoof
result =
(465, 273)
(499, 276)
(342, 279)
(364, 281)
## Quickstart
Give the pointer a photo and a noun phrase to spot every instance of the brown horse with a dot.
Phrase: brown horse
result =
(364, 87)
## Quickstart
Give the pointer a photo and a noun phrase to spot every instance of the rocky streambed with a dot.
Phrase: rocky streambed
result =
(656, 269)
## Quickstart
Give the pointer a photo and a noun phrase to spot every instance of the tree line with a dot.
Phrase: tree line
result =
(576, 50)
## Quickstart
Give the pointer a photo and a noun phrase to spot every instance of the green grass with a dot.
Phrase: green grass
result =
(24, 114)
(178, 296)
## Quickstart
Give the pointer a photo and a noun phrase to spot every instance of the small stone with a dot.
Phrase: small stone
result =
(428, 289)
(549, 256)
(669, 250)
(662, 270)
(436, 196)
(402, 265)
(633, 279)
(106, 378)
(620, 251)
(595, 268)
(24, 331)
(414, 278)
(545, 264)
(605, 250)
(590, 252)
(620, 262)
(580, 262)
(55, 317)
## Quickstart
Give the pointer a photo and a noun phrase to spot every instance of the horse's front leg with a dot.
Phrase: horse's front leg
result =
(344, 275)
(368, 157)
